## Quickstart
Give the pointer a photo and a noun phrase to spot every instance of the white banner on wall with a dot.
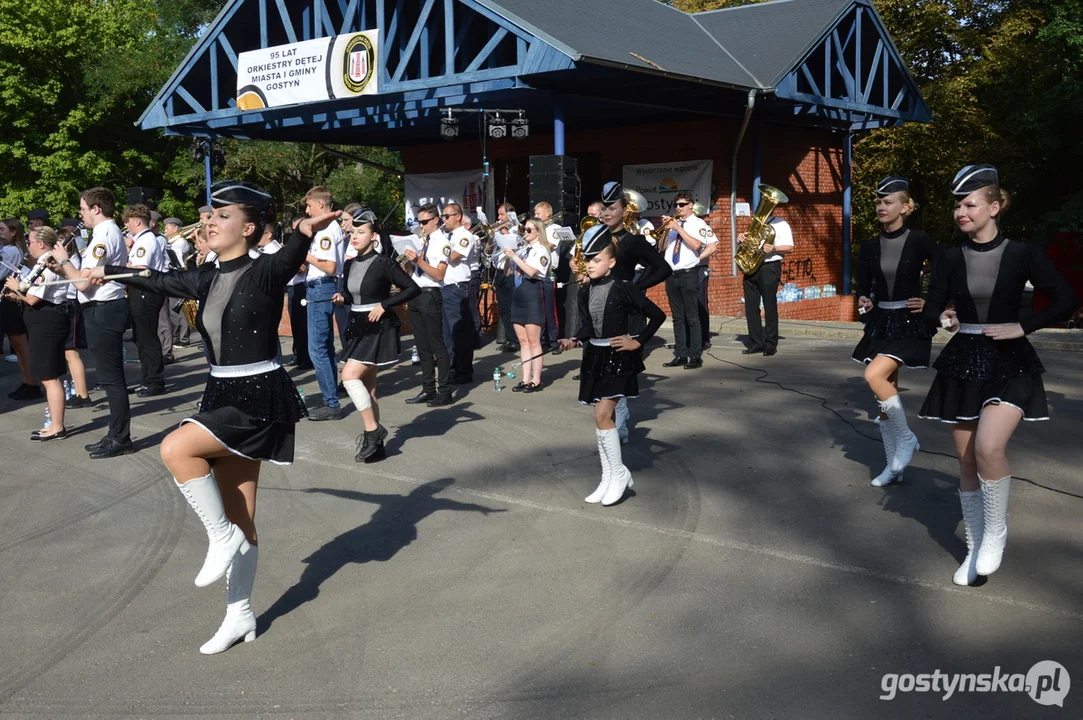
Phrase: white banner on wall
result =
(310, 71)
(659, 182)
(463, 187)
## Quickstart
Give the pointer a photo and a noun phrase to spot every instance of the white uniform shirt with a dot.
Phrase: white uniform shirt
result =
(436, 252)
(465, 244)
(106, 247)
(645, 227)
(269, 249)
(73, 294)
(329, 244)
(12, 256)
(537, 255)
(181, 248)
(783, 236)
(148, 251)
(55, 294)
(686, 257)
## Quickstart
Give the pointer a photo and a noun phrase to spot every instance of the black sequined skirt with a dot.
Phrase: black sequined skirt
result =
(899, 334)
(373, 343)
(974, 371)
(253, 416)
(607, 373)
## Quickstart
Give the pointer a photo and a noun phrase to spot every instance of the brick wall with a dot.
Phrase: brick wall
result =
(806, 164)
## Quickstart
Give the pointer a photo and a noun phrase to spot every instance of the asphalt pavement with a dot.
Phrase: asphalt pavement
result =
(754, 572)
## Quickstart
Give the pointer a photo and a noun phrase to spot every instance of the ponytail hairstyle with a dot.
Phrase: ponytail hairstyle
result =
(997, 194)
(910, 205)
(47, 236)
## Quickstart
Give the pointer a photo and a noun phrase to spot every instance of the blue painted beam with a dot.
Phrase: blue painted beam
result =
(486, 51)
(287, 23)
(757, 161)
(306, 23)
(558, 127)
(213, 50)
(411, 44)
(449, 37)
(847, 210)
(228, 50)
(850, 105)
(263, 23)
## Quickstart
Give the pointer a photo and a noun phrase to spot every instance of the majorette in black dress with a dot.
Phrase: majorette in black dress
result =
(250, 404)
(605, 310)
(889, 271)
(986, 282)
(633, 249)
(369, 278)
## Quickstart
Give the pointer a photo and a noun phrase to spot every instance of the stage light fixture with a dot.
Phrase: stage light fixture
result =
(520, 128)
(449, 127)
(498, 129)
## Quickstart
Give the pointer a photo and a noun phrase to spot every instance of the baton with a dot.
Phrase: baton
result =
(24, 286)
(306, 301)
(516, 365)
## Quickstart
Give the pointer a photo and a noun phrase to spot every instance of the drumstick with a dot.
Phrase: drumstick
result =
(24, 286)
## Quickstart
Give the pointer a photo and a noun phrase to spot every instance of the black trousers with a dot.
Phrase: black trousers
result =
(105, 324)
(703, 273)
(459, 332)
(427, 319)
(682, 289)
(504, 285)
(475, 290)
(146, 308)
(550, 330)
(299, 324)
(763, 284)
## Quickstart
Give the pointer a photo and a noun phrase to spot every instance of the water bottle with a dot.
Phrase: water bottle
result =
(414, 358)
(301, 392)
(496, 380)
(48, 419)
(67, 390)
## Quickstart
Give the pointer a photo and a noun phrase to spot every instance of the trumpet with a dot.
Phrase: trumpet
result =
(186, 232)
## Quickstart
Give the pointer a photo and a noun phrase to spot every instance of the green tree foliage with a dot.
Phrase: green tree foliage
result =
(1004, 81)
(75, 75)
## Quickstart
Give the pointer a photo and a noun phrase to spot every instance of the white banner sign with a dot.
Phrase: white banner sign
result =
(659, 182)
(311, 71)
(462, 187)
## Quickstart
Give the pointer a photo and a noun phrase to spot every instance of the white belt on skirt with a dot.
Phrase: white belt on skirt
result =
(977, 328)
(364, 308)
(891, 304)
(236, 371)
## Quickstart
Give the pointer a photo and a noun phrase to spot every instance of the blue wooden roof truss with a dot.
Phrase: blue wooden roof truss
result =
(439, 54)
(854, 77)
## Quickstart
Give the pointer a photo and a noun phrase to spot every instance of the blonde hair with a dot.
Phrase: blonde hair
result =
(46, 235)
(997, 194)
(910, 205)
(537, 225)
(543, 205)
(319, 194)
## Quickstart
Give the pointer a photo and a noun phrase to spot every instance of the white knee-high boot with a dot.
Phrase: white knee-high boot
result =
(240, 621)
(620, 477)
(995, 506)
(906, 442)
(886, 477)
(224, 538)
(622, 417)
(599, 492)
(974, 525)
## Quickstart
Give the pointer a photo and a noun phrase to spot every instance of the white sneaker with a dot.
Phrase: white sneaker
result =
(12, 358)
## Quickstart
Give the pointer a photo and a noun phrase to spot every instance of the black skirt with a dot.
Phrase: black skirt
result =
(527, 303)
(76, 327)
(11, 318)
(899, 334)
(608, 373)
(253, 416)
(974, 371)
(47, 327)
(373, 343)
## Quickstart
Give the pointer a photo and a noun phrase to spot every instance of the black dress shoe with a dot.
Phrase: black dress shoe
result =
(421, 397)
(694, 364)
(440, 400)
(532, 388)
(370, 442)
(770, 350)
(519, 388)
(169, 360)
(77, 401)
(111, 449)
(26, 392)
(150, 392)
(94, 446)
(676, 362)
(754, 350)
(38, 437)
(511, 348)
(576, 377)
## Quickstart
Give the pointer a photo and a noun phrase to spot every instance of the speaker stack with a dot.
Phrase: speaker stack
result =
(144, 196)
(553, 179)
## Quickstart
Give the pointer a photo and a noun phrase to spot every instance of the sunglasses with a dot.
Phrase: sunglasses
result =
(449, 215)
(683, 204)
(427, 221)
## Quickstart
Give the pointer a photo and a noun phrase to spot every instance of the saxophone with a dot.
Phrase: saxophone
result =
(190, 308)
(750, 254)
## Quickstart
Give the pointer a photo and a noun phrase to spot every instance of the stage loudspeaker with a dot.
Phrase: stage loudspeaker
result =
(553, 179)
(144, 196)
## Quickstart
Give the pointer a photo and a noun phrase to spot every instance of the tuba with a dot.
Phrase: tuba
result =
(750, 254)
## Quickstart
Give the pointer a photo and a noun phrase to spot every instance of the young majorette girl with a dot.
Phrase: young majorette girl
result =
(896, 334)
(372, 332)
(612, 359)
(988, 376)
(250, 406)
